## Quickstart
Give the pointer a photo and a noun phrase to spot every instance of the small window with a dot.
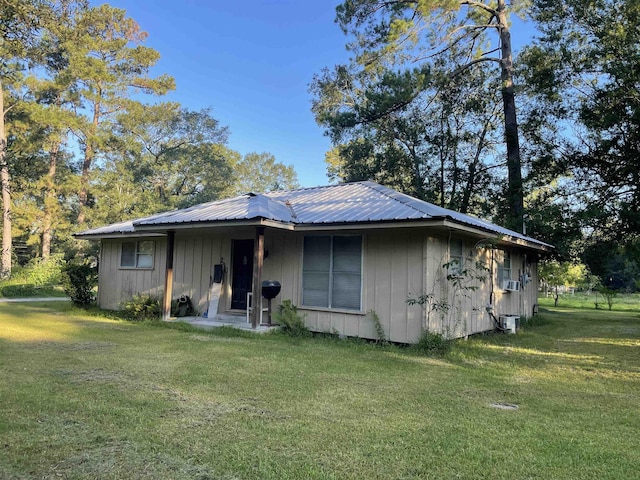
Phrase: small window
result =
(332, 272)
(504, 268)
(137, 254)
(456, 257)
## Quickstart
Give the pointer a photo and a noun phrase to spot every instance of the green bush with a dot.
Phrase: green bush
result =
(19, 290)
(39, 272)
(78, 281)
(291, 322)
(432, 344)
(142, 307)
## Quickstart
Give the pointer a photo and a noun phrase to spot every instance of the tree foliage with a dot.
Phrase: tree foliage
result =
(82, 144)
(260, 172)
(403, 111)
(582, 72)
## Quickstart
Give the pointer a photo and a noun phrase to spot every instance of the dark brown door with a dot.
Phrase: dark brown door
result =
(242, 275)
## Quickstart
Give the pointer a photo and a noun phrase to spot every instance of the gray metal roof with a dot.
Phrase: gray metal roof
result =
(348, 203)
(244, 207)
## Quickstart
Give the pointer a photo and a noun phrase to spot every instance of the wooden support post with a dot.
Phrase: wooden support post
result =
(258, 259)
(168, 277)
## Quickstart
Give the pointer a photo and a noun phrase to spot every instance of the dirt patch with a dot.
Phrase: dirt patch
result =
(504, 406)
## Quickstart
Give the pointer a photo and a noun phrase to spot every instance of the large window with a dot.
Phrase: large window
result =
(332, 272)
(137, 254)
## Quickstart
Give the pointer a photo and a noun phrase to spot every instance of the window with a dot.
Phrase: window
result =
(456, 257)
(504, 268)
(332, 272)
(137, 254)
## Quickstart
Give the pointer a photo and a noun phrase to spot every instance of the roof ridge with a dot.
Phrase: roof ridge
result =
(301, 189)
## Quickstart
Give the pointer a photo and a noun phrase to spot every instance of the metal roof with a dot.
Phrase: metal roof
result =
(244, 207)
(348, 203)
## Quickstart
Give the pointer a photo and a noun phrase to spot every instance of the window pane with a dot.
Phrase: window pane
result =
(346, 291)
(316, 254)
(145, 247)
(455, 247)
(315, 289)
(145, 261)
(347, 256)
(128, 254)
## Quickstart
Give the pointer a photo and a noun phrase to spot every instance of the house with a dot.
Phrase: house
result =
(344, 254)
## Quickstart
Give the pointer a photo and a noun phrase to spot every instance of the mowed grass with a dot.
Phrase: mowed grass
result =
(622, 301)
(91, 397)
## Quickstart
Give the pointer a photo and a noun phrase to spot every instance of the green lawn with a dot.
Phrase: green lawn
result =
(90, 397)
(622, 301)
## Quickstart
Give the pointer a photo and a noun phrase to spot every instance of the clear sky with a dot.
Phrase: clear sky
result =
(252, 61)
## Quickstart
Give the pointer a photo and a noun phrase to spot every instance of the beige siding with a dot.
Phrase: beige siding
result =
(397, 264)
(392, 268)
(117, 284)
(194, 259)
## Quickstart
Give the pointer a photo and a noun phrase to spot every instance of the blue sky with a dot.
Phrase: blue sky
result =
(252, 62)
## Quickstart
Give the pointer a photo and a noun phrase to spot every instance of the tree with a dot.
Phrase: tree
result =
(162, 157)
(260, 172)
(409, 131)
(555, 274)
(391, 34)
(18, 30)
(583, 73)
(107, 70)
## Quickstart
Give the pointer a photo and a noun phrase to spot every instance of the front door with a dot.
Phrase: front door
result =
(242, 274)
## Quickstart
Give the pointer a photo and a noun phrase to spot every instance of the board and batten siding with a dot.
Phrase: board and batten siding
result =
(117, 285)
(397, 264)
(391, 268)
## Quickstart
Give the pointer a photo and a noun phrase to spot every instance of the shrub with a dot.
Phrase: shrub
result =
(19, 290)
(290, 320)
(78, 281)
(609, 295)
(142, 307)
(41, 272)
(431, 344)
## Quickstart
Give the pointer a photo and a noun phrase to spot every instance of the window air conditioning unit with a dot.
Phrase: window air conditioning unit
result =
(511, 285)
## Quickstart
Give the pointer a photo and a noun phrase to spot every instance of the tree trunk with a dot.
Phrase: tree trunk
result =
(83, 195)
(7, 245)
(49, 201)
(514, 193)
(89, 152)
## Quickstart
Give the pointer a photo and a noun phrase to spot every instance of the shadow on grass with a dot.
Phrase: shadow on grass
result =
(564, 340)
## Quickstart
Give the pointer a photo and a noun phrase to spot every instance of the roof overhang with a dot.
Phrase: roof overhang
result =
(116, 235)
(438, 224)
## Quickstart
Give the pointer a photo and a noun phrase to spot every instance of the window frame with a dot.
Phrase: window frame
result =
(504, 260)
(137, 254)
(332, 273)
(456, 269)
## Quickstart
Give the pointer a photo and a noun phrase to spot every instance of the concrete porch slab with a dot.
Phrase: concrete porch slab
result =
(223, 320)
